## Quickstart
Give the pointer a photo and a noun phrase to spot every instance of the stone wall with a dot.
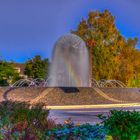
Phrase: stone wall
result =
(125, 94)
(69, 96)
(20, 94)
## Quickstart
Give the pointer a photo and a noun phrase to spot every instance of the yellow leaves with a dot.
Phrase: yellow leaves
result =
(78, 124)
(68, 121)
(109, 138)
(117, 59)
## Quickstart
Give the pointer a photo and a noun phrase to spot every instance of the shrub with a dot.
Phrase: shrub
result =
(122, 125)
(81, 132)
(20, 121)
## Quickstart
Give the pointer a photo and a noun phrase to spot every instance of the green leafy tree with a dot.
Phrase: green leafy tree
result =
(36, 67)
(111, 52)
(8, 74)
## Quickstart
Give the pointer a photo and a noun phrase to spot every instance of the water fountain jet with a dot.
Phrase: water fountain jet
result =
(70, 63)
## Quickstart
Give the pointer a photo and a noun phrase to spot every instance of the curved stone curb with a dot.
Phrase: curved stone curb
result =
(106, 96)
(43, 94)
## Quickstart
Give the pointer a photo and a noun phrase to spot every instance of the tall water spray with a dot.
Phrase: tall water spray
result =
(70, 63)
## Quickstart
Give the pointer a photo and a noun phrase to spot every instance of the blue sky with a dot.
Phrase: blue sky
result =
(31, 27)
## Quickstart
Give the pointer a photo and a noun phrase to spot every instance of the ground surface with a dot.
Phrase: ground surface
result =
(83, 115)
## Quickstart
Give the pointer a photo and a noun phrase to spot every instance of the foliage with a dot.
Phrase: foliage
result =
(122, 125)
(113, 56)
(20, 121)
(36, 67)
(7, 73)
(81, 132)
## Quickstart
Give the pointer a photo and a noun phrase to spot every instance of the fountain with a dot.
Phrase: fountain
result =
(70, 63)
(69, 67)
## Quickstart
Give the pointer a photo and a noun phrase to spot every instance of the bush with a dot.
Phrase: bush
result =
(122, 125)
(20, 121)
(81, 132)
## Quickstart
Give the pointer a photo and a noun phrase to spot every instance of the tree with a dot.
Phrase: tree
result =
(8, 74)
(106, 45)
(36, 67)
(130, 64)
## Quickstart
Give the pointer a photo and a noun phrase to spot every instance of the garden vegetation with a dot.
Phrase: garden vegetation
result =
(20, 121)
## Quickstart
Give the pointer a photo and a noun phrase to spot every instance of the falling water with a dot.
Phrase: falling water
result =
(70, 63)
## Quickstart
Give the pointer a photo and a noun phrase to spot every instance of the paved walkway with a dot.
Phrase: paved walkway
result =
(86, 115)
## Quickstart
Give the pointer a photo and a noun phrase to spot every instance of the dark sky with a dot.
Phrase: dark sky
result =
(31, 27)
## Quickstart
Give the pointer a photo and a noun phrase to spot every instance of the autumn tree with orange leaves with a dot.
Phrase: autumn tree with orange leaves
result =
(113, 56)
